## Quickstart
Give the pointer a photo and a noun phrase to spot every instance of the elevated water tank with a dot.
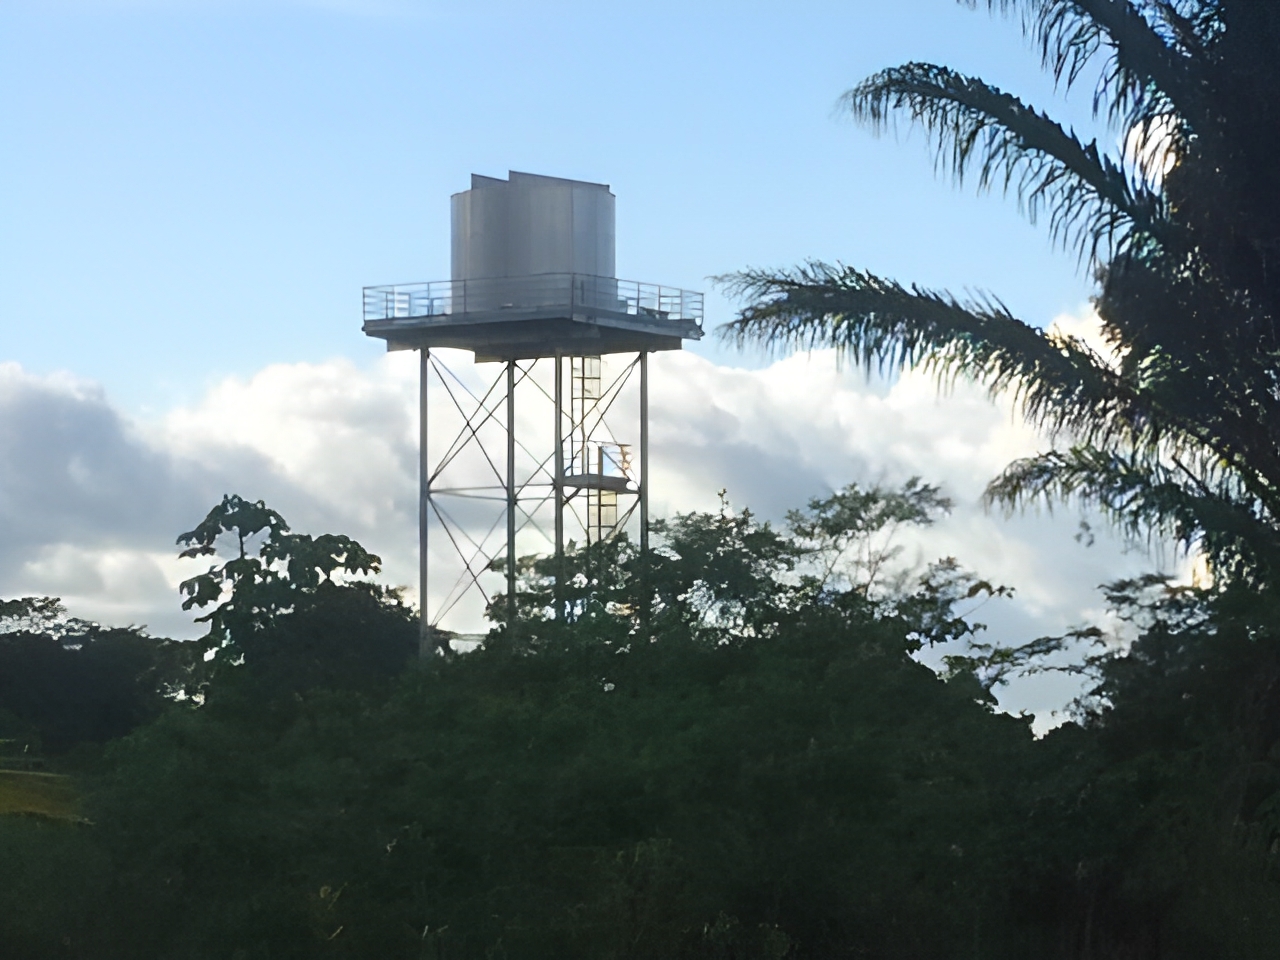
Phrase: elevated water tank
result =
(533, 275)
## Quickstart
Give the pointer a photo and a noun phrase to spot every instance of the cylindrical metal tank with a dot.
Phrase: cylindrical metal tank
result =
(530, 225)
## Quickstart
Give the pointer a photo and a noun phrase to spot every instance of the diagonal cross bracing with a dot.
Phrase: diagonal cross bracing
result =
(518, 484)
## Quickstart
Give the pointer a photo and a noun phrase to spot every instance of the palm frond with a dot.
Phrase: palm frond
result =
(1143, 498)
(1178, 430)
(1059, 383)
(980, 129)
(1142, 401)
(1187, 32)
(1151, 50)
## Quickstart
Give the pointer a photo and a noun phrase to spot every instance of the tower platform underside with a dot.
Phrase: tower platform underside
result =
(529, 335)
(527, 318)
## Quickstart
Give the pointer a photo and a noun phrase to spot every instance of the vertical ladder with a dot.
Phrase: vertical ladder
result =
(588, 457)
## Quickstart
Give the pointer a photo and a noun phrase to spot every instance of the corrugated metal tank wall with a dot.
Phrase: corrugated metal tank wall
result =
(531, 225)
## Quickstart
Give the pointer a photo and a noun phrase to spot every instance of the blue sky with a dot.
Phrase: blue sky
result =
(193, 193)
(196, 188)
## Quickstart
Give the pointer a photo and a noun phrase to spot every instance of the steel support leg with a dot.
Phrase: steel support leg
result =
(644, 452)
(511, 491)
(426, 642)
(559, 481)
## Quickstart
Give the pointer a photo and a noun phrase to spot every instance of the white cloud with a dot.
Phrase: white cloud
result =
(91, 502)
(1149, 150)
(1086, 328)
(346, 439)
(801, 428)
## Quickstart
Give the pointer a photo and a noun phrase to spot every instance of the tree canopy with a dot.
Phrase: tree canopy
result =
(726, 748)
(1175, 425)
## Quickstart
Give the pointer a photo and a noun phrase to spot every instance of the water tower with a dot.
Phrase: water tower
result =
(533, 292)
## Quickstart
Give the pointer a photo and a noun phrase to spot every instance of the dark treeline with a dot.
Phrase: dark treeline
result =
(723, 749)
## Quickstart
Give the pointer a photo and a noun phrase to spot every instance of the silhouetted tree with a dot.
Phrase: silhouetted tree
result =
(1176, 425)
(65, 681)
(284, 610)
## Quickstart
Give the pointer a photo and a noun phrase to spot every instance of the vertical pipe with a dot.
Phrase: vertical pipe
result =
(644, 451)
(559, 481)
(511, 491)
(426, 645)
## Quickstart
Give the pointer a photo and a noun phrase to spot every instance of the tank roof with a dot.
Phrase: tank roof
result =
(479, 180)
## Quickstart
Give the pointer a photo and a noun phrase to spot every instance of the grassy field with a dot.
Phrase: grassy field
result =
(44, 794)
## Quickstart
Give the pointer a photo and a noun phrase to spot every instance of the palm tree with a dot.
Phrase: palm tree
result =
(1176, 425)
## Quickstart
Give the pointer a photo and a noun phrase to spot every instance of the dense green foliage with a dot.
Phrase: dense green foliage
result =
(285, 608)
(1155, 829)
(65, 682)
(724, 749)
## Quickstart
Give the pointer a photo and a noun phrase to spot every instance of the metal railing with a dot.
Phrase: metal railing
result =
(574, 291)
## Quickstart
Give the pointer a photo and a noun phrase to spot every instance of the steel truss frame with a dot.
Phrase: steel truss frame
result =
(580, 426)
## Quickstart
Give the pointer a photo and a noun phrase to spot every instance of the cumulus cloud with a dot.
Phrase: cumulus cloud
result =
(803, 427)
(91, 501)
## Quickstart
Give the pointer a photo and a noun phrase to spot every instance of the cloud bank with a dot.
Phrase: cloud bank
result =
(91, 501)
